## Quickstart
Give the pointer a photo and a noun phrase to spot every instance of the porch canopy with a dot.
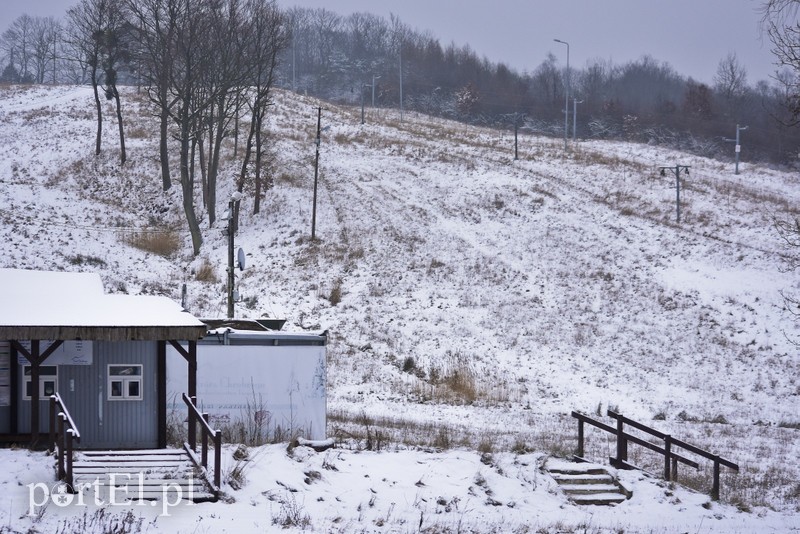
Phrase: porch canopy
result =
(40, 305)
(61, 306)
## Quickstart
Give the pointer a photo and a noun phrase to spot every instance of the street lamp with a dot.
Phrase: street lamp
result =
(575, 103)
(677, 170)
(373, 88)
(738, 146)
(566, 96)
(363, 85)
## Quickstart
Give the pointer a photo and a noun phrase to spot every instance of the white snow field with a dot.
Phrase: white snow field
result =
(473, 302)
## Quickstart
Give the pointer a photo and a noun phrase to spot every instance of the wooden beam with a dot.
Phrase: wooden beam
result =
(161, 393)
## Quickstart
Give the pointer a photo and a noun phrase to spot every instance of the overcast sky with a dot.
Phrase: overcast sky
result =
(692, 35)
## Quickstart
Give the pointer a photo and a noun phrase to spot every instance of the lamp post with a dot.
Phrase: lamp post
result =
(677, 170)
(363, 85)
(566, 96)
(575, 103)
(373, 88)
(738, 146)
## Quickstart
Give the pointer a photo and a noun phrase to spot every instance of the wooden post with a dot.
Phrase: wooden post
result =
(161, 393)
(61, 441)
(204, 451)
(192, 425)
(715, 487)
(667, 456)
(674, 476)
(580, 438)
(217, 457)
(52, 440)
(34, 361)
(622, 443)
(69, 459)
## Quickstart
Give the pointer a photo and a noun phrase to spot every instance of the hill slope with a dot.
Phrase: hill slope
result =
(471, 299)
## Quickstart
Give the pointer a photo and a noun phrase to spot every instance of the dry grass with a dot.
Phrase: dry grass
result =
(206, 272)
(160, 242)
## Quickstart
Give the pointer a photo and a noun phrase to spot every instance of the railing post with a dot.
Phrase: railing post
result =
(622, 443)
(674, 476)
(667, 457)
(715, 487)
(217, 457)
(580, 438)
(69, 460)
(52, 440)
(61, 444)
(192, 426)
(204, 433)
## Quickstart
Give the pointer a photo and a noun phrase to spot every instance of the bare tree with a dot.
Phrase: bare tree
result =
(87, 21)
(227, 72)
(17, 41)
(730, 82)
(783, 28)
(269, 36)
(154, 32)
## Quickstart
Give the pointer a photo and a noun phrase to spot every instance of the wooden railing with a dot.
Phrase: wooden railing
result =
(206, 432)
(62, 438)
(671, 458)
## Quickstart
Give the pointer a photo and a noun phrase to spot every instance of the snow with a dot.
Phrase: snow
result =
(402, 491)
(554, 283)
(43, 298)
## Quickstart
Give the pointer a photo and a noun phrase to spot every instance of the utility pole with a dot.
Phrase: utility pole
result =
(566, 95)
(373, 89)
(230, 259)
(401, 82)
(316, 173)
(575, 103)
(677, 170)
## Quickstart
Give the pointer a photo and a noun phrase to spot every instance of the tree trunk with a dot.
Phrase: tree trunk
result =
(187, 184)
(123, 156)
(166, 180)
(257, 200)
(99, 106)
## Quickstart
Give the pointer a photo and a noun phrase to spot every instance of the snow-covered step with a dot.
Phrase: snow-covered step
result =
(588, 484)
(140, 474)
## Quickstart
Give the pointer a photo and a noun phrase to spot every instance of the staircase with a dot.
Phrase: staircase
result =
(588, 484)
(148, 474)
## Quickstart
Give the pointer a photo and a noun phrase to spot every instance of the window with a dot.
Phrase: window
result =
(124, 382)
(48, 381)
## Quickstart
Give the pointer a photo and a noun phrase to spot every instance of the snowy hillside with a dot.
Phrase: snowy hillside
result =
(473, 301)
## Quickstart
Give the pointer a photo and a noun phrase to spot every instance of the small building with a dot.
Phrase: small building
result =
(106, 356)
(259, 384)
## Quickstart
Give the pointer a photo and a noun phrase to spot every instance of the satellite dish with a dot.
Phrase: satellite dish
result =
(240, 259)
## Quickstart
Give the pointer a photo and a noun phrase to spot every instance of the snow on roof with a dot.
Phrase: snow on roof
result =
(60, 305)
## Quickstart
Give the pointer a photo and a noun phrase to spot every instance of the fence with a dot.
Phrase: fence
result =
(671, 458)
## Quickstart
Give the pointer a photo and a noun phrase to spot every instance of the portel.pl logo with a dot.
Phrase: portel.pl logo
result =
(121, 489)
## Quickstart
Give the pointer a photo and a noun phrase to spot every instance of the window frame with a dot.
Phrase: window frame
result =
(43, 378)
(125, 382)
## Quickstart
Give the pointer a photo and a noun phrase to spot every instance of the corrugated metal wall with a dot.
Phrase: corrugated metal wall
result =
(5, 387)
(103, 423)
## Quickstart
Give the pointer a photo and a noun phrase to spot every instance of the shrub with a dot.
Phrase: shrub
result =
(163, 243)
(206, 272)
